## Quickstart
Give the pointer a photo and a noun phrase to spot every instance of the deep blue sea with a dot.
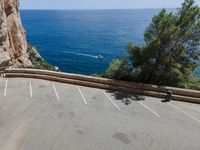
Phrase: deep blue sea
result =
(71, 39)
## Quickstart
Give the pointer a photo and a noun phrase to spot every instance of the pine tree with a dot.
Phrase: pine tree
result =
(171, 52)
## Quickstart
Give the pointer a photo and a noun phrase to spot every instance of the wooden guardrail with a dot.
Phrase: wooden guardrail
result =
(137, 88)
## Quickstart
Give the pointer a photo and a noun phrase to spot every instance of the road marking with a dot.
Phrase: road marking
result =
(149, 109)
(5, 90)
(56, 92)
(82, 95)
(179, 109)
(30, 86)
(111, 101)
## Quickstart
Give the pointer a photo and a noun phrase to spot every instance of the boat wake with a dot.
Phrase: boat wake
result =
(86, 55)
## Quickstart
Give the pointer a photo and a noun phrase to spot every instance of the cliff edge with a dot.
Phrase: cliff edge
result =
(13, 42)
(14, 49)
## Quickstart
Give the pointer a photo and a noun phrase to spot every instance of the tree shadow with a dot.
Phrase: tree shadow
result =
(126, 98)
(165, 101)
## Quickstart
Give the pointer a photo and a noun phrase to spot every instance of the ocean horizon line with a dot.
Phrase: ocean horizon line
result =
(94, 9)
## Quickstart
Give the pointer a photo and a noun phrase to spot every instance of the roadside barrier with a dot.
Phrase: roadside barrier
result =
(179, 94)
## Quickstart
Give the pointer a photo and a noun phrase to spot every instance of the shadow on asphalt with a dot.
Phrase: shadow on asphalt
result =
(165, 101)
(126, 97)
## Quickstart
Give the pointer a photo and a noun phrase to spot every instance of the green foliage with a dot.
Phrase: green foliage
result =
(171, 52)
(193, 83)
(118, 69)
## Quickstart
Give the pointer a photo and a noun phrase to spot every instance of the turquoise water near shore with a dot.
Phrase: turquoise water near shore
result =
(72, 39)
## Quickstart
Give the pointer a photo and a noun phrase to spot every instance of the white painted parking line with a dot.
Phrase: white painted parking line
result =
(149, 109)
(5, 90)
(56, 92)
(82, 95)
(111, 101)
(30, 86)
(187, 114)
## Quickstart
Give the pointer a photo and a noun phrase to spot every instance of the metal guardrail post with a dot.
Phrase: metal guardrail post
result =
(168, 97)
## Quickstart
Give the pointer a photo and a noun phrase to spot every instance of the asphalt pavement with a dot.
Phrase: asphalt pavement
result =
(43, 115)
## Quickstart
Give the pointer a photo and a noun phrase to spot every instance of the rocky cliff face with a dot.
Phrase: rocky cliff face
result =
(13, 42)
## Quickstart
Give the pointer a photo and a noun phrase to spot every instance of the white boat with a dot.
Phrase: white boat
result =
(99, 57)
